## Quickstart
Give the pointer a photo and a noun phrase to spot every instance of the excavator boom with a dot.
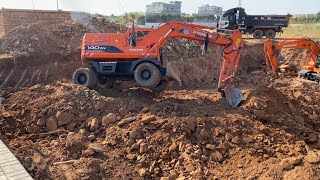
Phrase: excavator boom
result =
(231, 43)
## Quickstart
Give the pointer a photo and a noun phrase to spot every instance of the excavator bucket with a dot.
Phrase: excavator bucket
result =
(173, 73)
(233, 95)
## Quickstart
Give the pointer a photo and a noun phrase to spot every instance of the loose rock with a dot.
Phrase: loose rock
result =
(52, 124)
(64, 118)
(148, 119)
(109, 119)
(312, 157)
(94, 125)
(142, 172)
(100, 105)
(126, 121)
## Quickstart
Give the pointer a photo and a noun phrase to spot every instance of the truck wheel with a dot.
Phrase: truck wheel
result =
(258, 34)
(85, 77)
(271, 34)
(147, 75)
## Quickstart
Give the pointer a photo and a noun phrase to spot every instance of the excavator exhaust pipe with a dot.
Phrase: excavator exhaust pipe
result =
(233, 95)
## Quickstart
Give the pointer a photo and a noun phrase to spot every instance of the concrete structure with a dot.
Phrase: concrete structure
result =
(173, 8)
(10, 167)
(207, 10)
(11, 18)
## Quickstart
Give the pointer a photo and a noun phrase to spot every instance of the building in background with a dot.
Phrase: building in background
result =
(172, 8)
(207, 10)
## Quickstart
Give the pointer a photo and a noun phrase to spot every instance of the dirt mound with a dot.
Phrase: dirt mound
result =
(134, 133)
(268, 99)
(51, 51)
(295, 57)
(290, 61)
(198, 70)
(41, 38)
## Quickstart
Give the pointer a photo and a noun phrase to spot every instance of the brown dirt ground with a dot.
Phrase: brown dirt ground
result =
(60, 130)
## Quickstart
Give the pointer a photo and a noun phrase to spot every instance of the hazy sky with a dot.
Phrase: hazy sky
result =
(189, 6)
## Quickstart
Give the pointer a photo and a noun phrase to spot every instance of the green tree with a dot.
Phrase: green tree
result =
(164, 16)
(318, 17)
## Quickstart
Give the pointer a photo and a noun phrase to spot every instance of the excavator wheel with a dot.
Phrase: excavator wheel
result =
(85, 77)
(147, 75)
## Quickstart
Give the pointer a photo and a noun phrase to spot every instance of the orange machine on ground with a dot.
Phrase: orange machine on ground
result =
(137, 55)
(312, 66)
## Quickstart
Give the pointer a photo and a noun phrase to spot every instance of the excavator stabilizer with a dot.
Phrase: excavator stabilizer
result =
(233, 95)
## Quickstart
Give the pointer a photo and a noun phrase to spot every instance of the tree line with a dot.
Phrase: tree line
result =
(307, 19)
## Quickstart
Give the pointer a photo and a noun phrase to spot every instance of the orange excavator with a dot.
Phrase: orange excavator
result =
(137, 55)
(311, 69)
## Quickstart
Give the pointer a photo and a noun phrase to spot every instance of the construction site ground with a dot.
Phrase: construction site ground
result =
(60, 130)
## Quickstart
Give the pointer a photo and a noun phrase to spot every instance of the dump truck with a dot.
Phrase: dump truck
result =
(257, 25)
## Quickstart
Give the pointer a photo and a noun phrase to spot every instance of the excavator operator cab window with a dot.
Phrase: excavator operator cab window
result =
(146, 32)
(140, 34)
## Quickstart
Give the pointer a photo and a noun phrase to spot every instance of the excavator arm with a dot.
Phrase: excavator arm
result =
(270, 49)
(230, 53)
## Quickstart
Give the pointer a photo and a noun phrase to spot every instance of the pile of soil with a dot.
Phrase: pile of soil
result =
(41, 38)
(291, 61)
(64, 131)
(51, 51)
(199, 70)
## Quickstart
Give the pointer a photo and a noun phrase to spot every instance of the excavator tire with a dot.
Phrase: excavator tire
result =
(85, 77)
(147, 75)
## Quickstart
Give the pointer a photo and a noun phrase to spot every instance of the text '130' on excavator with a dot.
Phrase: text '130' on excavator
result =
(137, 55)
(311, 69)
